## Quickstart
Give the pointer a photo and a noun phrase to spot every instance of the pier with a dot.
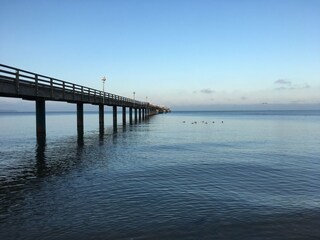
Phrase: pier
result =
(18, 83)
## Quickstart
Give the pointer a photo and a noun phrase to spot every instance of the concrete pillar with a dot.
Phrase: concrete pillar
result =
(130, 115)
(115, 118)
(135, 115)
(143, 113)
(101, 118)
(124, 116)
(41, 120)
(139, 114)
(80, 119)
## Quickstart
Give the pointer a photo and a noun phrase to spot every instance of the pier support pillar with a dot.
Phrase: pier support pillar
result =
(115, 118)
(135, 115)
(139, 114)
(41, 120)
(80, 119)
(143, 113)
(101, 118)
(130, 115)
(124, 116)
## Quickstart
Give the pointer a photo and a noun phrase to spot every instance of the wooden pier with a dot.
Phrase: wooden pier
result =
(18, 83)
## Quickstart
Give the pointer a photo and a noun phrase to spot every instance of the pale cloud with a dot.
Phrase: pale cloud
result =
(243, 98)
(283, 82)
(206, 91)
(284, 88)
(306, 85)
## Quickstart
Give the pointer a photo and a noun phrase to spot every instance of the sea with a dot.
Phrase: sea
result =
(182, 175)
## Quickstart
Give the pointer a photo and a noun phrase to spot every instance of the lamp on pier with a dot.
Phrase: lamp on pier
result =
(103, 82)
(103, 79)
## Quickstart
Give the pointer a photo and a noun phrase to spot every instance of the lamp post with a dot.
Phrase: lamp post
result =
(103, 79)
(134, 99)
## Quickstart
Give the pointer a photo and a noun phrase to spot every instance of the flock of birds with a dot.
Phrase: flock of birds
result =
(204, 122)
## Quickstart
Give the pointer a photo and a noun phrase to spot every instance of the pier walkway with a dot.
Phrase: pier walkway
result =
(18, 83)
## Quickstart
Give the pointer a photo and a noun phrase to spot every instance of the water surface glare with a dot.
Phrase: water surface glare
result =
(183, 175)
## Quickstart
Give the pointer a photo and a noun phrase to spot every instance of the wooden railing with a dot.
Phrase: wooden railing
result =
(18, 76)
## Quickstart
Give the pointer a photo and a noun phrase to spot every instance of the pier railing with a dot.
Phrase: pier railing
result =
(41, 86)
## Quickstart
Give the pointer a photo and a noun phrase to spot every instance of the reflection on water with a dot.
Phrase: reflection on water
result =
(60, 157)
(165, 179)
(41, 158)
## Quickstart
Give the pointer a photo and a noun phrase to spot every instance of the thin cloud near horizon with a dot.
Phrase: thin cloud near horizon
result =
(283, 82)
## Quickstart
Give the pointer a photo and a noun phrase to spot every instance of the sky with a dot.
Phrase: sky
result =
(184, 54)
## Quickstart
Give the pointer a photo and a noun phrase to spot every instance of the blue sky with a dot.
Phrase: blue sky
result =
(184, 54)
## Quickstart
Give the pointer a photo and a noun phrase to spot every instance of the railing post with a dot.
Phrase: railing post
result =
(64, 89)
(81, 93)
(51, 86)
(17, 81)
(74, 91)
(37, 80)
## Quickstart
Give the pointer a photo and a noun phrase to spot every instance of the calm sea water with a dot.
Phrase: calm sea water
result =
(254, 176)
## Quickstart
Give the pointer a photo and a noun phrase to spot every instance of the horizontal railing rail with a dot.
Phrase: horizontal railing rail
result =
(19, 76)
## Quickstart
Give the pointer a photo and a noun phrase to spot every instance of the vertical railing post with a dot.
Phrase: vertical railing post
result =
(51, 87)
(73, 91)
(36, 82)
(81, 93)
(17, 81)
(64, 89)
